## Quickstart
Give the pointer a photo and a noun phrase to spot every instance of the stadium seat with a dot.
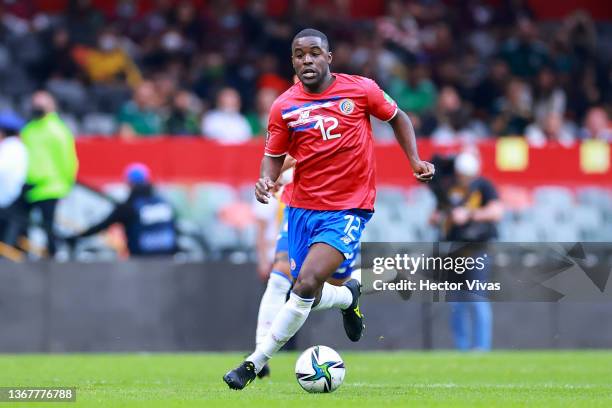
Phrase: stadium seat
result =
(118, 191)
(209, 198)
(520, 231)
(600, 197)
(515, 198)
(98, 124)
(178, 196)
(560, 231)
(72, 122)
(561, 197)
(15, 83)
(70, 95)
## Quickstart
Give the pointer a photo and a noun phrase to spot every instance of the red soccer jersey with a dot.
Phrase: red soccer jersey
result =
(330, 136)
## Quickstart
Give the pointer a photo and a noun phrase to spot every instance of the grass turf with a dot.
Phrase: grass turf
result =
(438, 379)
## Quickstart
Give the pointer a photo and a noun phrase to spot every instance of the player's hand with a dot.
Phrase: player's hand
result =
(262, 189)
(423, 171)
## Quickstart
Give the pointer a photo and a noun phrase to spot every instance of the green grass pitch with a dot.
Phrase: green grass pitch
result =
(406, 379)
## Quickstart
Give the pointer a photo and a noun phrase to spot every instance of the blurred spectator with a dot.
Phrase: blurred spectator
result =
(64, 79)
(548, 97)
(451, 120)
(108, 63)
(488, 95)
(140, 116)
(171, 47)
(13, 171)
(581, 34)
(184, 117)
(415, 92)
(225, 123)
(468, 212)
(58, 61)
(91, 62)
(525, 53)
(53, 163)
(166, 87)
(597, 125)
(551, 129)
(258, 120)
(149, 221)
(269, 77)
(585, 91)
(516, 108)
(83, 21)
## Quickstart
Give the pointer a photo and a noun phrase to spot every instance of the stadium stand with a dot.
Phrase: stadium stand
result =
(465, 73)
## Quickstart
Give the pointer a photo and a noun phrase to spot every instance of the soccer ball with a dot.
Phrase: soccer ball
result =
(320, 369)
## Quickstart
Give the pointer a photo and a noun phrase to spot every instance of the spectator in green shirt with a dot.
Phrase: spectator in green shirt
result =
(140, 116)
(52, 164)
(414, 92)
(184, 116)
(258, 120)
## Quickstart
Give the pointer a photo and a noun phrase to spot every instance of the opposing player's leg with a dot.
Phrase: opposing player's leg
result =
(273, 299)
(277, 289)
(241, 376)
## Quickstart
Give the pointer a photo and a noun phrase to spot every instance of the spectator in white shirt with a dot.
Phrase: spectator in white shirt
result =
(552, 129)
(597, 125)
(225, 123)
(13, 171)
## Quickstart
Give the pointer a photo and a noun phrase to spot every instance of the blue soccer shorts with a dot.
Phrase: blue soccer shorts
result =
(340, 229)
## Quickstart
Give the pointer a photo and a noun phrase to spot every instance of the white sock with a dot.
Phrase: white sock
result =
(271, 302)
(339, 297)
(356, 274)
(288, 321)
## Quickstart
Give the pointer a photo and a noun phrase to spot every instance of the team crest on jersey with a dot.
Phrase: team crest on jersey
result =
(304, 114)
(346, 106)
(292, 264)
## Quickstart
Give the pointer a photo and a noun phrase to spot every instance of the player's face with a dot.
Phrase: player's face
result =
(311, 59)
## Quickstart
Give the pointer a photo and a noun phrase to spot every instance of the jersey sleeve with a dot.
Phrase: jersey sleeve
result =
(381, 105)
(277, 136)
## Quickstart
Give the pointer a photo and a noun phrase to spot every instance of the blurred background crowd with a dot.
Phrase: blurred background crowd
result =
(126, 69)
(463, 70)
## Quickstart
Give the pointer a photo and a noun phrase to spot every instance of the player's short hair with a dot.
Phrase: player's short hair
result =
(311, 32)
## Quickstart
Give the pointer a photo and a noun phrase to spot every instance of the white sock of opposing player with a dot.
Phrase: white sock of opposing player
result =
(288, 321)
(338, 297)
(271, 302)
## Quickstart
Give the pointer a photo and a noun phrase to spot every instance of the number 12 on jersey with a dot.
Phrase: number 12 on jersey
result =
(327, 125)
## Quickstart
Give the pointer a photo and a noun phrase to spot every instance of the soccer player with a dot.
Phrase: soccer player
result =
(280, 279)
(323, 122)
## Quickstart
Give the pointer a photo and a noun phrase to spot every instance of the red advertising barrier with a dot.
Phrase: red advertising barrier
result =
(103, 160)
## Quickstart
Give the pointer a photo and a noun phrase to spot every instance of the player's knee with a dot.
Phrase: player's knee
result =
(282, 267)
(307, 286)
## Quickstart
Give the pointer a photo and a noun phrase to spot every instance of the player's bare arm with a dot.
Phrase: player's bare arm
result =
(270, 171)
(288, 163)
(404, 133)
